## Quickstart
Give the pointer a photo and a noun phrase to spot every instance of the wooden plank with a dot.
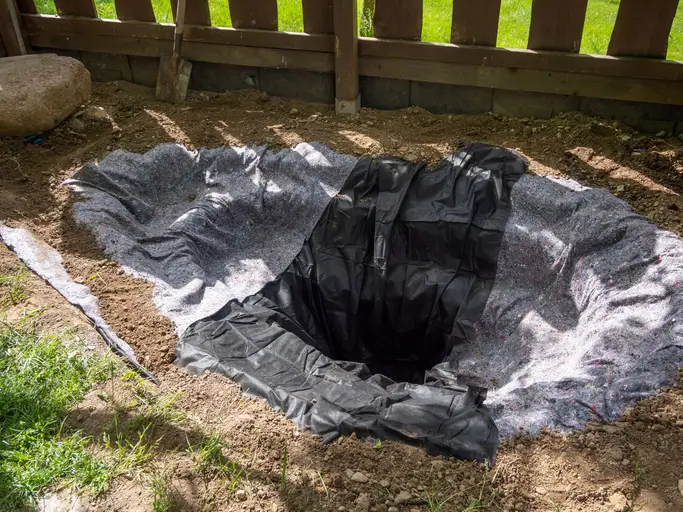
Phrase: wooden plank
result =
(27, 6)
(398, 19)
(216, 35)
(642, 28)
(555, 82)
(557, 26)
(522, 59)
(196, 12)
(318, 17)
(347, 92)
(254, 14)
(84, 8)
(475, 22)
(204, 52)
(137, 10)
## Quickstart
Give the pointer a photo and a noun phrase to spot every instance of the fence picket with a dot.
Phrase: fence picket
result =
(27, 6)
(256, 14)
(84, 8)
(557, 26)
(475, 22)
(346, 84)
(398, 19)
(642, 28)
(196, 12)
(318, 16)
(136, 10)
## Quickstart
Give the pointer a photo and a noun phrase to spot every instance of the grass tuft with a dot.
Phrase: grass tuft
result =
(162, 493)
(12, 286)
(209, 458)
(43, 376)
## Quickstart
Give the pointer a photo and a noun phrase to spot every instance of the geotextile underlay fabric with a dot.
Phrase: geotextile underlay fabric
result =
(351, 315)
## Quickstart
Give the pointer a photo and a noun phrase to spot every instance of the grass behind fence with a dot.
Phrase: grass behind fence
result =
(513, 32)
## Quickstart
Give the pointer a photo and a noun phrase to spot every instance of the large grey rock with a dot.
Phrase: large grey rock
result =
(37, 92)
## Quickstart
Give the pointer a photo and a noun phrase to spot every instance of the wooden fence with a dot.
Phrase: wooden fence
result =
(634, 68)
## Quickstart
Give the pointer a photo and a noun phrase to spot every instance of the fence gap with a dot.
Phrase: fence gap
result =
(475, 22)
(346, 90)
(557, 26)
(84, 8)
(196, 12)
(398, 19)
(135, 10)
(256, 14)
(642, 28)
(318, 16)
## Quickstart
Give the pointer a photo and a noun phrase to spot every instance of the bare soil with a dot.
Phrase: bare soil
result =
(634, 464)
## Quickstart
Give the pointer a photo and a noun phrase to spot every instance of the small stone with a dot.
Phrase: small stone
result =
(625, 462)
(360, 477)
(542, 491)
(349, 473)
(341, 508)
(558, 135)
(392, 509)
(384, 483)
(411, 157)
(635, 154)
(528, 130)
(241, 494)
(660, 134)
(613, 430)
(363, 501)
(618, 502)
(519, 506)
(294, 111)
(615, 454)
(402, 497)
(520, 447)
(658, 427)
(76, 124)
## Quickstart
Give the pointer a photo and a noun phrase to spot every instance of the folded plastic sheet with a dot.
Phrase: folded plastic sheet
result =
(355, 335)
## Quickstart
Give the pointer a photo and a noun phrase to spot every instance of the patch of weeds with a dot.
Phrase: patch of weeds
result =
(554, 506)
(153, 409)
(283, 475)
(128, 451)
(14, 286)
(42, 377)
(209, 458)
(162, 493)
(479, 503)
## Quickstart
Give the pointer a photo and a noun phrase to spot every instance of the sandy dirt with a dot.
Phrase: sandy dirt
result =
(634, 464)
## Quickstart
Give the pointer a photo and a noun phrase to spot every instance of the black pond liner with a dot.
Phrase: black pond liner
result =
(355, 335)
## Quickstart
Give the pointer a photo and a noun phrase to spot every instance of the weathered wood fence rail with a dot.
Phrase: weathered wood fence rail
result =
(394, 68)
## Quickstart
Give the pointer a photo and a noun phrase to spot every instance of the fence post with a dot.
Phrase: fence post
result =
(347, 93)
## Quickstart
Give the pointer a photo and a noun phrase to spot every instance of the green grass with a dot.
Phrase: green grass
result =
(513, 28)
(12, 286)
(42, 377)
